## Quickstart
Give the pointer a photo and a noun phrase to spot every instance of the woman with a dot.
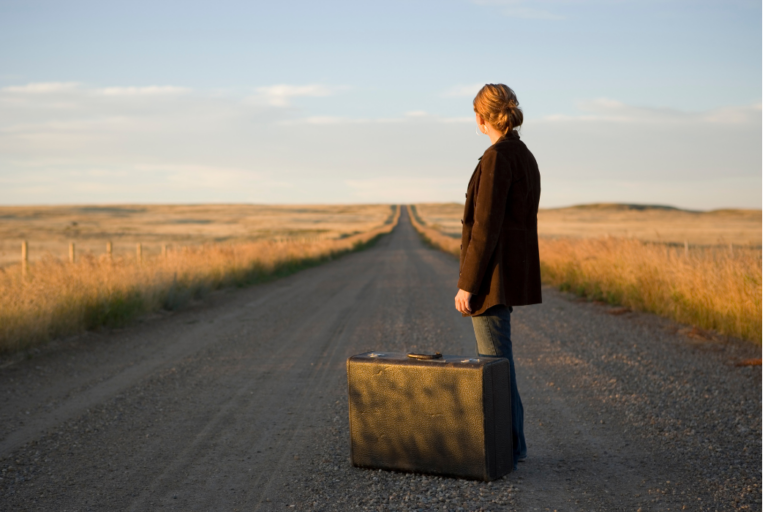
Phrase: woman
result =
(500, 247)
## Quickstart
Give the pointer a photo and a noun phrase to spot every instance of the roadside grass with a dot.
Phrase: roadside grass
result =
(708, 287)
(59, 298)
(717, 288)
(432, 236)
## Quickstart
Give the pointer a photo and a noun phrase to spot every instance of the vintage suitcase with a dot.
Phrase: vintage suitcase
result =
(450, 415)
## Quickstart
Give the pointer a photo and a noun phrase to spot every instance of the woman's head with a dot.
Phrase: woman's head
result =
(497, 105)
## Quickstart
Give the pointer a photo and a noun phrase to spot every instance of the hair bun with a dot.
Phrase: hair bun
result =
(498, 105)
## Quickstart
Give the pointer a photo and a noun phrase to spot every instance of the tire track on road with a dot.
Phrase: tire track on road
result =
(300, 343)
(75, 403)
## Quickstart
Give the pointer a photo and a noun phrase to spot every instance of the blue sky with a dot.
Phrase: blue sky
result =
(316, 102)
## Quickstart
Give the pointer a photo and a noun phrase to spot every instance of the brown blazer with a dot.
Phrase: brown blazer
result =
(499, 239)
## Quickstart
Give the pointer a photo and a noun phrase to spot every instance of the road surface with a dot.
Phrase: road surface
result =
(239, 403)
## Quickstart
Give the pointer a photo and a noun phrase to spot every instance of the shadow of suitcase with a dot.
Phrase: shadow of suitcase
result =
(448, 416)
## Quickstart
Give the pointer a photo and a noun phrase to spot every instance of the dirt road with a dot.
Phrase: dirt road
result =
(240, 403)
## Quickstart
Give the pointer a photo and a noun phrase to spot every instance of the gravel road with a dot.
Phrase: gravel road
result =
(239, 403)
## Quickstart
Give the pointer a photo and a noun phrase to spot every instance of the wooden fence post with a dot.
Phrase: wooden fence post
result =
(138, 252)
(686, 248)
(71, 252)
(109, 250)
(24, 257)
(165, 250)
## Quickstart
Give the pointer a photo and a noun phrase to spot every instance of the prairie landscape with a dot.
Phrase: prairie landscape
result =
(212, 247)
(642, 222)
(239, 402)
(699, 268)
(50, 229)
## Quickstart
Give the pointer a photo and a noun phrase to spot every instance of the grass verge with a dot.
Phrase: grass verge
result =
(58, 298)
(432, 236)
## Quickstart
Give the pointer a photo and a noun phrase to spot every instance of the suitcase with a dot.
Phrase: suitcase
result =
(449, 415)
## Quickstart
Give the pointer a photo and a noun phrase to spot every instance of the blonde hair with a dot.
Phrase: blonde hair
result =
(498, 105)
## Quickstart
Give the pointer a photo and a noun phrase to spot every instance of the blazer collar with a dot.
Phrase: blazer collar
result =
(510, 135)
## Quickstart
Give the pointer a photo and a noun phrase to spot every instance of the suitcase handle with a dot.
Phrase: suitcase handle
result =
(436, 355)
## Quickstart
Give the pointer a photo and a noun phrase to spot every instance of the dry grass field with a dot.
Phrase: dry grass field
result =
(651, 224)
(50, 229)
(638, 257)
(55, 297)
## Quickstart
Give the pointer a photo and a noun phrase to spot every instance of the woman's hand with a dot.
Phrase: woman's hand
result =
(462, 302)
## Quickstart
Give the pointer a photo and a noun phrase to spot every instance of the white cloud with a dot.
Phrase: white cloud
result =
(41, 88)
(735, 115)
(142, 91)
(324, 120)
(607, 110)
(408, 117)
(57, 88)
(282, 94)
(68, 143)
(205, 176)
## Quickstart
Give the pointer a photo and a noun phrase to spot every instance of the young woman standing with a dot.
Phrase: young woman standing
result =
(500, 247)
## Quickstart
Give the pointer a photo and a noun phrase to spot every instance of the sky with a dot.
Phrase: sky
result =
(647, 101)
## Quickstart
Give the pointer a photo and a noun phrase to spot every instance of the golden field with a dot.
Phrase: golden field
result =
(638, 258)
(652, 224)
(55, 298)
(50, 229)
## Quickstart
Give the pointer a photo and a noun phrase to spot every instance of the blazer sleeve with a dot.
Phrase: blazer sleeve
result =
(493, 188)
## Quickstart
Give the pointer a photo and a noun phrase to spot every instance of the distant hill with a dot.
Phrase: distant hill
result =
(627, 207)
(622, 207)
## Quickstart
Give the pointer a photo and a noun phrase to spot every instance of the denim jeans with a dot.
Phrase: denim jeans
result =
(494, 338)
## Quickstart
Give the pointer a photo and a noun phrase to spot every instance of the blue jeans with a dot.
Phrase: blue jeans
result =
(494, 338)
